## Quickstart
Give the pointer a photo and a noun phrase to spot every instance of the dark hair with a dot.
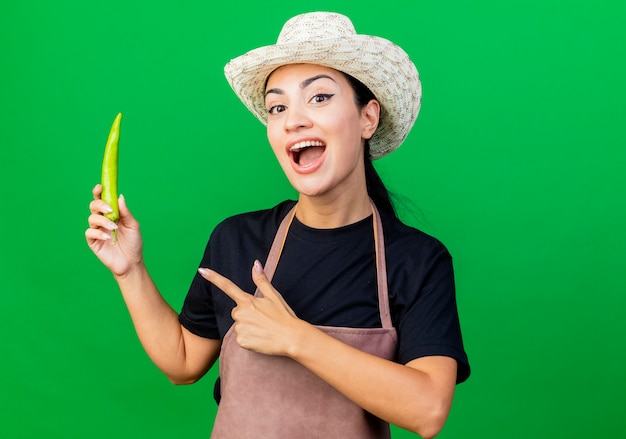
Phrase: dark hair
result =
(375, 187)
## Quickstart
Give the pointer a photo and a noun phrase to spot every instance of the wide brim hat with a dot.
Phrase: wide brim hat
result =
(330, 39)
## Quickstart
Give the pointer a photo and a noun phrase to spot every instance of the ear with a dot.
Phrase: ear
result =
(370, 115)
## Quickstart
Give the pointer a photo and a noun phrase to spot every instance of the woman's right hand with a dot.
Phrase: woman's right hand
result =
(125, 254)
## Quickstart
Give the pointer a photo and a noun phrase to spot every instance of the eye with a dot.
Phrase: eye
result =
(321, 97)
(275, 109)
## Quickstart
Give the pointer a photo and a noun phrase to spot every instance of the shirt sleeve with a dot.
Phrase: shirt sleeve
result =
(429, 323)
(198, 313)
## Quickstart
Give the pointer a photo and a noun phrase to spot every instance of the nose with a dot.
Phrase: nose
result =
(296, 118)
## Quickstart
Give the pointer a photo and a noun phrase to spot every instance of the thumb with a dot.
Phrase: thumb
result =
(125, 214)
(265, 286)
(260, 279)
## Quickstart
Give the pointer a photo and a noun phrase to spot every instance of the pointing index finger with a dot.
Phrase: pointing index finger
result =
(226, 285)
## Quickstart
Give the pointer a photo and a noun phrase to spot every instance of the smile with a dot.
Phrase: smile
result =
(307, 153)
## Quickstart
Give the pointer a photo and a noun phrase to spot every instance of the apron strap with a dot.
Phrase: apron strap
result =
(381, 270)
(277, 246)
(381, 266)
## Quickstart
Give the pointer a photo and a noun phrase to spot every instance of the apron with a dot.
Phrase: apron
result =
(275, 397)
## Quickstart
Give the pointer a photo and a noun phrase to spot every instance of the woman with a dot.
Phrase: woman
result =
(353, 322)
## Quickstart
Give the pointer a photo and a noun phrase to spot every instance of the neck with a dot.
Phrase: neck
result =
(329, 212)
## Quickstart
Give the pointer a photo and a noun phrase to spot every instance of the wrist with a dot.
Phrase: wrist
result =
(301, 334)
(134, 272)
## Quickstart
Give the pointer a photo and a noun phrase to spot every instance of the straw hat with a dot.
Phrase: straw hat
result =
(329, 39)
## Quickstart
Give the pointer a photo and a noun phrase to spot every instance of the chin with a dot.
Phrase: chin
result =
(310, 190)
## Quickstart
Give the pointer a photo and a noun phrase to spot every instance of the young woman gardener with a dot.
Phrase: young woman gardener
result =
(350, 322)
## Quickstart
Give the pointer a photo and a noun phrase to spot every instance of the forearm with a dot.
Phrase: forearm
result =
(156, 323)
(399, 394)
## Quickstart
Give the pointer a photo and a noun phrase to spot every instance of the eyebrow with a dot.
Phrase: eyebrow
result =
(303, 84)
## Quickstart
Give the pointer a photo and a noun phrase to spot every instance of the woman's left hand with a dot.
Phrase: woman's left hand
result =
(262, 324)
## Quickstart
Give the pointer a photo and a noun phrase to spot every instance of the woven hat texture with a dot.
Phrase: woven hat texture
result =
(330, 39)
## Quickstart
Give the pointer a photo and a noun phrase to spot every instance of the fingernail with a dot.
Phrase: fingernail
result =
(203, 271)
(112, 225)
(108, 209)
(258, 267)
(106, 236)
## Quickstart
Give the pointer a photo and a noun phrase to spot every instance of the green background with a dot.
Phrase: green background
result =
(516, 163)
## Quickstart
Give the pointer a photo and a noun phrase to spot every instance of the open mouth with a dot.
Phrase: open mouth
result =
(306, 153)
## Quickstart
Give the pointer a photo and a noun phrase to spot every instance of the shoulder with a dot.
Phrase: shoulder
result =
(254, 222)
(240, 239)
(403, 242)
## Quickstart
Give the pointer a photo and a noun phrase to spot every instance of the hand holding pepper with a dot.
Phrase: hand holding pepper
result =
(118, 257)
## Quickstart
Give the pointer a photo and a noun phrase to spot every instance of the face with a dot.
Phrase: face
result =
(316, 130)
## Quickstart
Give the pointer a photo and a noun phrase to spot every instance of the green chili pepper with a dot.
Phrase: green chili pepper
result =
(109, 172)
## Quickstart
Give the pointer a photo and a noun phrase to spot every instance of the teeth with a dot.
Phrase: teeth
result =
(305, 144)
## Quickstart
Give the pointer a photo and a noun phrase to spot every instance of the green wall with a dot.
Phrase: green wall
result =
(516, 162)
